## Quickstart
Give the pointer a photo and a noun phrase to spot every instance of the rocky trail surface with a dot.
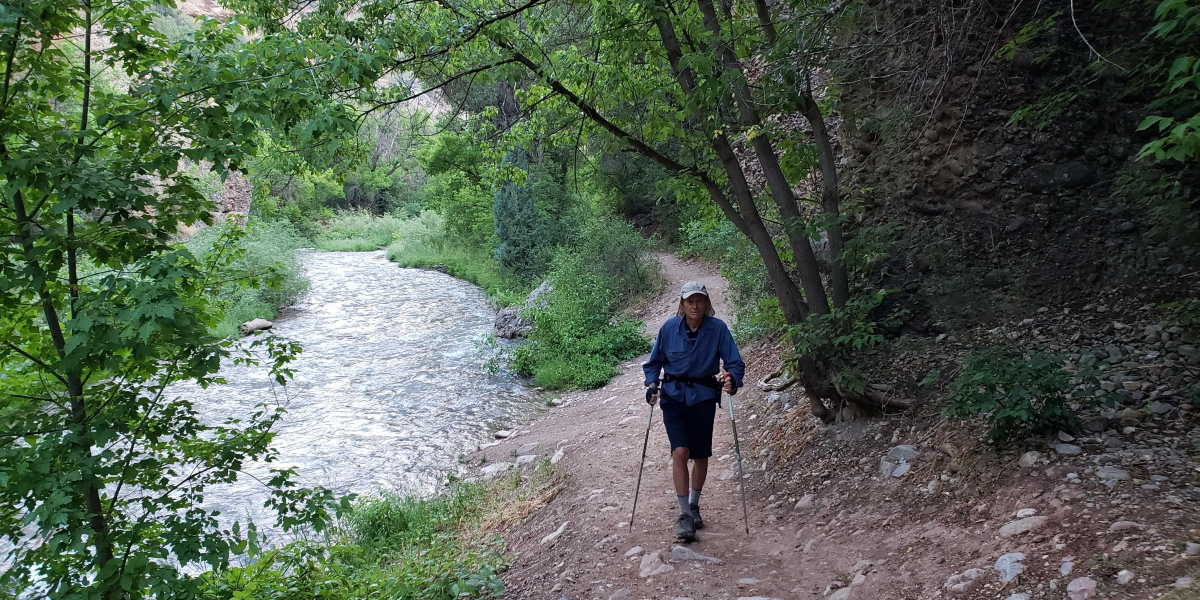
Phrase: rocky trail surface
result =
(882, 508)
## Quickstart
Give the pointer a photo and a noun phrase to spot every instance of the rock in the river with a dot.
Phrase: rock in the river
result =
(1029, 459)
(1067, 449)
(685, 553)
(652, 565)
(1009, 566)
(1022, 526)
(1082, 588)
(511, 322)
(256, 325)
(527, 448)
(961, 584)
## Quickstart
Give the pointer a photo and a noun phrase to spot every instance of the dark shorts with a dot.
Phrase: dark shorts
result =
(690, 427)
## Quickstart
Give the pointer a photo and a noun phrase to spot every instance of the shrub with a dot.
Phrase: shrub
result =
(1020, 395)
(466, 206)
(533, 218)
(521, 246)
(389, 546)
(265, 277)
(579, 337)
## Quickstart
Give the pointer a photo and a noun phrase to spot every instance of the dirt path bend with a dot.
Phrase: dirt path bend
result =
(596, 556)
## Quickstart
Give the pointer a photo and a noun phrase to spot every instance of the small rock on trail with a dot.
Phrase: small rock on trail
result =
(1081, 589)
(652, 565)
(553, 536)
(683, 553)
(962, 583)
(1022, 526)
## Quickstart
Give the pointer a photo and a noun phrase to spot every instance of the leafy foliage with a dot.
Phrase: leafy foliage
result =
(104, 471)
(1178, 123)
(1020, 395)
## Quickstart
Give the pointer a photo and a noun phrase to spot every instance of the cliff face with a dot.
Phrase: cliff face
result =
(1003, 151)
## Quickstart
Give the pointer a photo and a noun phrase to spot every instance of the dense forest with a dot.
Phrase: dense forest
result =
(872, 178)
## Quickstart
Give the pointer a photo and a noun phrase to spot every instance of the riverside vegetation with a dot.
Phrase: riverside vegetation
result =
(537, 134)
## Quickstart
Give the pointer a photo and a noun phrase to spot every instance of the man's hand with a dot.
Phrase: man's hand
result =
(652, 393)
(728, 380)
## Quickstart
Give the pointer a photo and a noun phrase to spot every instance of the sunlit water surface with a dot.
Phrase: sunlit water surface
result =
(392, 386)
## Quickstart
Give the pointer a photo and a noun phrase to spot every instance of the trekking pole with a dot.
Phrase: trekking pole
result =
(741, 476)
(641, 465)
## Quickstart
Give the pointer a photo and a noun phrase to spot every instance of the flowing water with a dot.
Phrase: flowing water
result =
(392, 386)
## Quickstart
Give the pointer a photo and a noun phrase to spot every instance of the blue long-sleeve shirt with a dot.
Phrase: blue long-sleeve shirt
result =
(676, 355)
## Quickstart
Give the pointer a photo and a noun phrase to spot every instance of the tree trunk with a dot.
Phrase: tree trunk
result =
(794, 307)
(839, 280)
(781, 190)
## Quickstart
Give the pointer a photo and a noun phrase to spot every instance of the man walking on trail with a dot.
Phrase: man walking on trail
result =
(687, 352)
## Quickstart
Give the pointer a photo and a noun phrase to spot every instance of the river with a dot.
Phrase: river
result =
(391, 389)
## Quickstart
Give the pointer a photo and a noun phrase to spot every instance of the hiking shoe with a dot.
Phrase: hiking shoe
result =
(685, 528)
(697, 522)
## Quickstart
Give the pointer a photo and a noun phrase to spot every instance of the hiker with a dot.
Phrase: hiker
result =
(687, 351)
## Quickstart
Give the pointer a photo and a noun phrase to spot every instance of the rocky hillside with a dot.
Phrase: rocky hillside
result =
(996, 154)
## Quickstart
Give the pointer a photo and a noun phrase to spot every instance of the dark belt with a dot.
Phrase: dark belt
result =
(710, 381)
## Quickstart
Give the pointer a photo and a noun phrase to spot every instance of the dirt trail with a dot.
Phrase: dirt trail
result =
(600, 432)
(852, 535)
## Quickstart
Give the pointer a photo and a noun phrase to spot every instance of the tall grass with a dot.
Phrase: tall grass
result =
(422, 243)
(265, 276)
(392, 546)
(359, 230)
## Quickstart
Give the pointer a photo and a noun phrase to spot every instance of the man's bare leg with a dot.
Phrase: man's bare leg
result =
(699, 473)
(680, 471)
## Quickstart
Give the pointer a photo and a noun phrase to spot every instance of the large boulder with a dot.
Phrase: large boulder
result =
(512, 323)
(256, 325)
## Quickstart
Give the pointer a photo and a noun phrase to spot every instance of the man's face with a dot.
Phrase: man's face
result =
(695, 306)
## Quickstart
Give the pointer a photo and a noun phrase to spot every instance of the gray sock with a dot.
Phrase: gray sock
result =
(684, 509)
(694, 497)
